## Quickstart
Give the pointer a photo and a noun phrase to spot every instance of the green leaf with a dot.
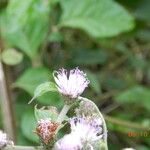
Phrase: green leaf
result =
(94, 82)
(21, 27)
(143, 147)
(135, 94)
(46, 114)
(99, 18)
(90, 57)
(112, 81)
(43, 88)
(11, 57)
(31, 78)
(51, 98)
(138, 94)
(28, 126)
(142, 10)
(143, 34)
(22, 140)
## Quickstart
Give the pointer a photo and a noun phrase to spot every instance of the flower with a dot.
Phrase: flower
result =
(128, 149)
(46, 130)
(3, 139)
(71, 83)
(84, 132)
(69, 142)
(88, 129)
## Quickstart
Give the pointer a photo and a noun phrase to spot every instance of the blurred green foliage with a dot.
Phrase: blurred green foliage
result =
(108, 39)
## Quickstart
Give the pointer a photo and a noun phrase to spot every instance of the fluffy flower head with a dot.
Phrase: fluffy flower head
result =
(88, 129)
(71, 83)
(3, 139)
(83, 131)
(69, 142)
(128, 149)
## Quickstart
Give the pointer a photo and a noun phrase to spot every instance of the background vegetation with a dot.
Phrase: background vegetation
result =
(108, 39)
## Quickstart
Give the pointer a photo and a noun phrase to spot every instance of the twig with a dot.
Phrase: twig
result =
(125, 123)
(5, 106)
(6, 103)
(108, 94)
(110, 108)
(105, 96)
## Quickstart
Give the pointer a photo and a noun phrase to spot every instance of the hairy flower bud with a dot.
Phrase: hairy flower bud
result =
(46, 130)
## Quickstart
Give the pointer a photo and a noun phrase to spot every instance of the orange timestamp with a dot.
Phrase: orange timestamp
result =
(139, 134)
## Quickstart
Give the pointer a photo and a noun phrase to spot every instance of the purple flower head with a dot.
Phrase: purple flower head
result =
(69, 142)
(128, 149)
(84, 131)
(71, 83)
(89, 129)
(3, 139)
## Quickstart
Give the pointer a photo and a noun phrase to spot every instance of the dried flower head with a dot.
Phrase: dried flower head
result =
(3, 139)
(71, 83)
(46, 130)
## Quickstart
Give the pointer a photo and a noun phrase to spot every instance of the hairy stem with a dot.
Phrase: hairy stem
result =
(63, 113)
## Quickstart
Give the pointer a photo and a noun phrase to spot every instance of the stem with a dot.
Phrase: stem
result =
(103, 120)
(6, 105)
(63, 113)
(23, 148)
(6, 97)
(125, 123)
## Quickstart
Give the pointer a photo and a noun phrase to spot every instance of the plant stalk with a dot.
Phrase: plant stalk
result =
(63, 113)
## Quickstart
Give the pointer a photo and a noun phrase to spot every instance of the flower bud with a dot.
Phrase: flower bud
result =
(46, 130)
